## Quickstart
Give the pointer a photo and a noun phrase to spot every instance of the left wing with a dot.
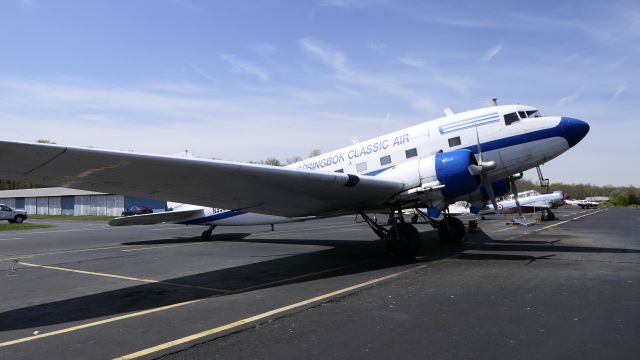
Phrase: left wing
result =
(213, 183)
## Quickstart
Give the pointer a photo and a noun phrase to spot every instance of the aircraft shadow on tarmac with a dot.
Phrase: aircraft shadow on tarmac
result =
(344, 257)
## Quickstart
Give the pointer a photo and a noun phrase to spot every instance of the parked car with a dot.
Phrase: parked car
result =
(137, 210)
(12, 216)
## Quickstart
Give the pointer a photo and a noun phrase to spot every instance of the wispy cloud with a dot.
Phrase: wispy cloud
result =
(240, 65)
(413, 62)
(187, 5)
(338, 62)
(619, 90)
(570, 98)
(326, 54)
(264, 48)
(349, 4)
(377, 47)
(201, 72)
(457, 83)
(491, 52)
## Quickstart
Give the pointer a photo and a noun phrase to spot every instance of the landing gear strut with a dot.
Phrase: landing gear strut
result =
(403, 240)
(206, 235)
(547, 215)
(451, 230)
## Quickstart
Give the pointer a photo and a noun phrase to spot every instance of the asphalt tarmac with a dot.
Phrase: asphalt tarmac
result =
(568, 288)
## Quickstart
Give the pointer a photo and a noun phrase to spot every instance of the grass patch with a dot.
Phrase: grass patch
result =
(23, 226)
(71, 217)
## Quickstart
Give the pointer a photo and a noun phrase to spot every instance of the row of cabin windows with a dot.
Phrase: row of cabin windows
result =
(385, 160)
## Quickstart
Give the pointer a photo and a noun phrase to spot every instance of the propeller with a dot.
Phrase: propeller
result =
(514, 191)
(482, 169)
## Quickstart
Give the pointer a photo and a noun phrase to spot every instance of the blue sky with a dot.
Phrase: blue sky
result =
(244, 80)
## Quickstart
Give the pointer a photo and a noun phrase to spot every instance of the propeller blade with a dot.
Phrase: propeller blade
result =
(486, 181)
(514, 191)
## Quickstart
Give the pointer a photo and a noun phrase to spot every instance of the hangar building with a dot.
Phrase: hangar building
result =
(63, 201)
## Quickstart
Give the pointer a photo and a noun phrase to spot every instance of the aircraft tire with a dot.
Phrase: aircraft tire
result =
(403, 240)
(451, 230)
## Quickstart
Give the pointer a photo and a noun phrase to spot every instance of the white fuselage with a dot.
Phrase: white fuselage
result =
(517, 143)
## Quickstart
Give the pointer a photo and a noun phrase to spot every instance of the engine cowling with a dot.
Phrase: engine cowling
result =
(448, 172)
(452, 171)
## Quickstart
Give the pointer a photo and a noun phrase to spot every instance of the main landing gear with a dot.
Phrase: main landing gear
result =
(451, 230)
(403, 239)
(206, 235)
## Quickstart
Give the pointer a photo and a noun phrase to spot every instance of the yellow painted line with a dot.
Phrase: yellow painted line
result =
(263, 315)
(163, 246)
(557, 224)
(301, 276)
(129, 278)
(96, 323)
(150, 311)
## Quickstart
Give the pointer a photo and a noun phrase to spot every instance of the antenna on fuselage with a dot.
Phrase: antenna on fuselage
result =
(494, 101)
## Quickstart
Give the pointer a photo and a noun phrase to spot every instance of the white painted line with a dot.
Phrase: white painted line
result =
(7, 239)
(557, 224)
(163, 246)
(513, 227)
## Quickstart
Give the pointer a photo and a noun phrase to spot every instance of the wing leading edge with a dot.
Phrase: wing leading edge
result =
(222, 184)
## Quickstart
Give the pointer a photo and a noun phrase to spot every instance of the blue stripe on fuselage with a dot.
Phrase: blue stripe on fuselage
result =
(556, 131)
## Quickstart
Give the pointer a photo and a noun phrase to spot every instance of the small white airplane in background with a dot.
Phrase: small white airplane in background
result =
(530, 201)
(468, 156)
(583, 204)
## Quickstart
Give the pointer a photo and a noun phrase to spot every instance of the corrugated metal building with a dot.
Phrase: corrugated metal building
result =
(63, 201)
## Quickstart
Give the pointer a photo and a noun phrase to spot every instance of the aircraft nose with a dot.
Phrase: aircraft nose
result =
(574, 130)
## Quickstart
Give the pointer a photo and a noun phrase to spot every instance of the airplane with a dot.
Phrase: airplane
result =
(530, 201)
(583, 204)
(472, 156)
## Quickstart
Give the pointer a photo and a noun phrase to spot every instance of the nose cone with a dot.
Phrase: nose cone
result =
(574, 130)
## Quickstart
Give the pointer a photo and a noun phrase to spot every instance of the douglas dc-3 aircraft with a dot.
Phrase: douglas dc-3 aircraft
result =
(469, 156)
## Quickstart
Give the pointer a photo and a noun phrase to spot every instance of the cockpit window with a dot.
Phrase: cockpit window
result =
(522, 114)
(511, 118)
(533, 114)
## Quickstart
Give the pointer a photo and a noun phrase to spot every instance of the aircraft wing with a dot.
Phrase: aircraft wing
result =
(158, 218)
(213, 183)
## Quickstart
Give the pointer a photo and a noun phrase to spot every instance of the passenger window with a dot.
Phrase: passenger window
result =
(454, 141)
(511, 118)
(411, 153)
(361, 167)
(385, 160)
(339, 170)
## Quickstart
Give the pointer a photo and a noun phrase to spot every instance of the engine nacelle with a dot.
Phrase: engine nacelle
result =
(452, 171)
(448, 171)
